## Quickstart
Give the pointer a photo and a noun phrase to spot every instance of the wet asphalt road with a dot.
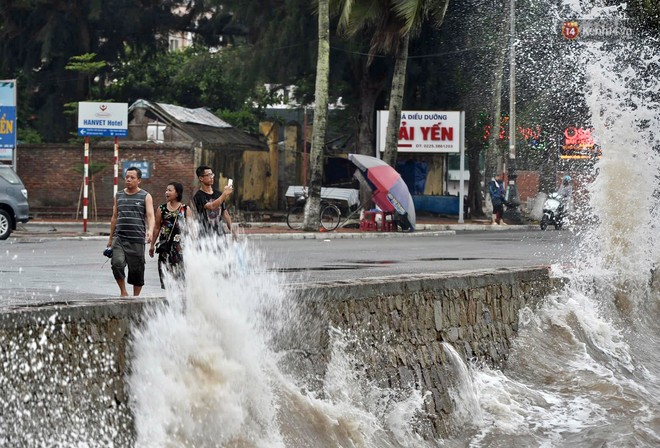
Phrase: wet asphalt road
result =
(350, 259)
(34, 270)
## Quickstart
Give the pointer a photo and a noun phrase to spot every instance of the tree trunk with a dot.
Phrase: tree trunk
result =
(396, 102)
(492, 159)
(370, 90)
(475, 196)
(312, 207)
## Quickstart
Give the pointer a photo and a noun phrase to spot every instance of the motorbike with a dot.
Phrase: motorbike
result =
(553, 212)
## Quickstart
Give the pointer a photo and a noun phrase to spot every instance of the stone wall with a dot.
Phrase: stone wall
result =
(63, 367)
(402, 326)
(62, 372)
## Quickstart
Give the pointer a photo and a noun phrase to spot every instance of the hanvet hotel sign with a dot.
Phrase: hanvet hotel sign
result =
(102, 119)
(423, 131)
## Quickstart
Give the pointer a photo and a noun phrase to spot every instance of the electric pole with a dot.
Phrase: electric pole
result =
(512, 213)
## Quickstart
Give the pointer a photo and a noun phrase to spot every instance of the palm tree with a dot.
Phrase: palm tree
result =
(393, 23)
(313, 205)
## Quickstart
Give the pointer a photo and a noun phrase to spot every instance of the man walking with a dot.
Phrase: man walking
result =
(210, 204)
(131, 228)
(496, 190)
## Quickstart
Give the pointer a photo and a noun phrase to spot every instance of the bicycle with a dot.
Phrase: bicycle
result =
(330, 215)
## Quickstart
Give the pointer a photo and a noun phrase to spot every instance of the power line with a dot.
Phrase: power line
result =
(421, 56)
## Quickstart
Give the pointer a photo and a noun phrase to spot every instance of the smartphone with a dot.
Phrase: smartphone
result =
(230, 183)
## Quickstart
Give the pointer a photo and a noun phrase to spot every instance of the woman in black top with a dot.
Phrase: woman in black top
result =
(170, 220)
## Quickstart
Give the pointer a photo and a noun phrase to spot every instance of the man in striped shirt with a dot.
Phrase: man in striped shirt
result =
(131, 228)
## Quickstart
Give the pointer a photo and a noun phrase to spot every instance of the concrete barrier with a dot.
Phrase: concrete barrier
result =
(63, 367)
(402, 325)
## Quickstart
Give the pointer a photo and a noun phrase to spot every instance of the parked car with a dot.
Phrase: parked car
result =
(13, 201)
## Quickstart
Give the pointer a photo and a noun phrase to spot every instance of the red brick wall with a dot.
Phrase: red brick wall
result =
(54, 185)
(528, 185)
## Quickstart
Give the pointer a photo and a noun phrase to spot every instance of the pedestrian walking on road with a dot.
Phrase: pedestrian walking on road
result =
(496, 190)
(131, 227)
(210, 204)
(565, 192)
(170, 221)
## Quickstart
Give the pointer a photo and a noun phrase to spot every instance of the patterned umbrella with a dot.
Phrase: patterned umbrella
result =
(390, 192)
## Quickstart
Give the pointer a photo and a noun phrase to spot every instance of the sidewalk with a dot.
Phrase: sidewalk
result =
(426, 226)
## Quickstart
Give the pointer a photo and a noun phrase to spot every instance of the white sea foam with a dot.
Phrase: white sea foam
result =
(580, 371)
(209, 367)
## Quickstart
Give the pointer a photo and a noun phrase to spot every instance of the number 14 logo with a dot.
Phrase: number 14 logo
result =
(570, 30)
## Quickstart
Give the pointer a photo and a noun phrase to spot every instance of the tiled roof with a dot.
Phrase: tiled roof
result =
(202, 126)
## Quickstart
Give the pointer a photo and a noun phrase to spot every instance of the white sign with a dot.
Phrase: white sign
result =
(423, 131)
(102, 119)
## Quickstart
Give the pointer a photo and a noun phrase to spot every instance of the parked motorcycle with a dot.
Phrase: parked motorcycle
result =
(553, 211)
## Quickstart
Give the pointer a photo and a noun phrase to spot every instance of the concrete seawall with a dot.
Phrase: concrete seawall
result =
(63, 367)
(399, 327)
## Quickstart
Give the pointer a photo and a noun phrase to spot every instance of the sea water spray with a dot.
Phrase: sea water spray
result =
(210, 366)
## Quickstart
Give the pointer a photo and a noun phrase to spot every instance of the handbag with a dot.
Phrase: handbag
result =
(166, 246)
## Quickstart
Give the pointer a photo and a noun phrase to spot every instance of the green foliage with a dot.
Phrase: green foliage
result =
(191, 78)
(416, 13)
(85, 63)
(86, 66)
(29, 136)
(39, 38)
(273, 41)
(63, 52)
(252, 112)
(71, 109)
(246, 118)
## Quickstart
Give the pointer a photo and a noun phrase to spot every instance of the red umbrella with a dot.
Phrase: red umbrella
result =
(390, 192)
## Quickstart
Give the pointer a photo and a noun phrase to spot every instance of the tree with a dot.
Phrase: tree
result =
(493, 157)
(193, 77)
(86, 65)
(313, 205)
(396, 102)
(273, 39)
(414, 13)
(393, 23)
(38, 38)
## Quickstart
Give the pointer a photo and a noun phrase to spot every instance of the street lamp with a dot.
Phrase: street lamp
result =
(512, 214)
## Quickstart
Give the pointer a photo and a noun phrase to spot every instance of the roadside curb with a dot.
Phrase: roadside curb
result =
(39, 231)
(343, 235)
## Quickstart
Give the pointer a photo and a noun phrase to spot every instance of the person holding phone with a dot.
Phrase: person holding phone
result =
(210, 204)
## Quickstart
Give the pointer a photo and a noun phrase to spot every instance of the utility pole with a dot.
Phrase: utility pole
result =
(512, 213)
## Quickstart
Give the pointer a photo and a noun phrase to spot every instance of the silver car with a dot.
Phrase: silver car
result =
(13, 201)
